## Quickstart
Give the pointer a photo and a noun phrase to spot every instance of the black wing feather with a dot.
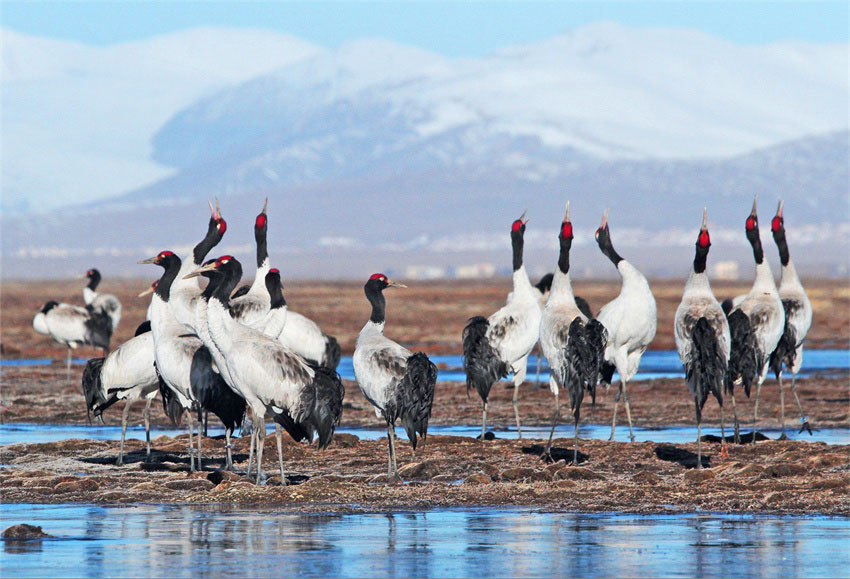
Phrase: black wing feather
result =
(481, 363)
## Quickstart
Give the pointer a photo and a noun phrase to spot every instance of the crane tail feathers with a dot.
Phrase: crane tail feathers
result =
(321, 408)
(706, 371)
(481, 363)
(414, 397)
(744, 353)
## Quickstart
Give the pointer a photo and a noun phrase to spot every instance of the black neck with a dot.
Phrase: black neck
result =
(232, 275)
(564, 256)
(375, 295)
(275, 291)
(94, 279)
(172, 268)
(700, 258)
(755, 241)
(782, 245)
(214, 278)
(262, 251)
(604, 241)
(210, 240)
(516, 244)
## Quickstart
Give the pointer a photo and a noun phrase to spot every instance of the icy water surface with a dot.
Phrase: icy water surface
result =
(182, 541)
(13, 433)
(654, 364)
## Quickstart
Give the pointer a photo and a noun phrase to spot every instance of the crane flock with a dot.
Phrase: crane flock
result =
(230, 352)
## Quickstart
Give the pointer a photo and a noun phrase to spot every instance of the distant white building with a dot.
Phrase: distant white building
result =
(725, 270)
(475, 271)
(424, 272)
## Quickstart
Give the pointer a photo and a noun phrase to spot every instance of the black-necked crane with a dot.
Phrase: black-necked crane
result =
(756, 325)
(127, 374)
(494, 346)
(798, 320)
(184, 292)
(573, 344)
(631, 320)
(398, 383)
(100, 302)
(185, 365)
(72, 327)
(252, 307)
(305, 399)
(702, 337)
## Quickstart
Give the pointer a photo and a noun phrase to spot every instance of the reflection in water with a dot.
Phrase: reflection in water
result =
(187, 541)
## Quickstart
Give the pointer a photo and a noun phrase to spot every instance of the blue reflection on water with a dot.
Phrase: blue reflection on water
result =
(153, 541)
(13, 433)
(654, 364)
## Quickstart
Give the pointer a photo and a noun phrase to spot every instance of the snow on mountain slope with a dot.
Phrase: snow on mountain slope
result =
(605, 90)
(78, 120)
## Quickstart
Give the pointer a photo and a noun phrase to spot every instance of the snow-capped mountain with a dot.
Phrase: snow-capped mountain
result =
(413, 155)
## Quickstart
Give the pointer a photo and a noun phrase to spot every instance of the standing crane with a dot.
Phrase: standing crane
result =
(398, 383)
(702, 337)
(631, 320)
(494, 346)
(573, 344)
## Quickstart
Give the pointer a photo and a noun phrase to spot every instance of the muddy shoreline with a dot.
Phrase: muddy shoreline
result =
(776, 477)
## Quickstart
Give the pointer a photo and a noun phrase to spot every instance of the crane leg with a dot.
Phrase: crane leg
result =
(724, 450)
(804, 420)
(278, 435)
(737, 438)
(124, 414)
(392, 467)
(783, 436)
(148, 428)
(228, 464)
(484, 421)
(68, 367)
(628, 409)
(200, 464)
(575, 442)
(555, 415)
(191, 421)
(756, 411)
(516, 408)
(251, 450)
(614, 420)
(260, 426)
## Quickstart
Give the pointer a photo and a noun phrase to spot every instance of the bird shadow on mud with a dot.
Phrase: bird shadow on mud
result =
(684, 457)
(161, 461)
(556, 453)
(745, 438)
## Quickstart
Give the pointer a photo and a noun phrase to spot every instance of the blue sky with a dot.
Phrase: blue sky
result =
(450, 28)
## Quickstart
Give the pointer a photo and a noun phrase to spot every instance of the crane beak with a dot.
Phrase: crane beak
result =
(704, 219)
(215, 214)
(755, 200)
(147, 292)
(265, 206)
(779, 209)
(200, 270)
(154, 259)
(392, 283)
(567, 213)
(604, 220)
(522, 217)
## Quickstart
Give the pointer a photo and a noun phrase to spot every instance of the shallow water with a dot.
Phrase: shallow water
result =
(183, 541)
(654, 364)
(13, 433)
